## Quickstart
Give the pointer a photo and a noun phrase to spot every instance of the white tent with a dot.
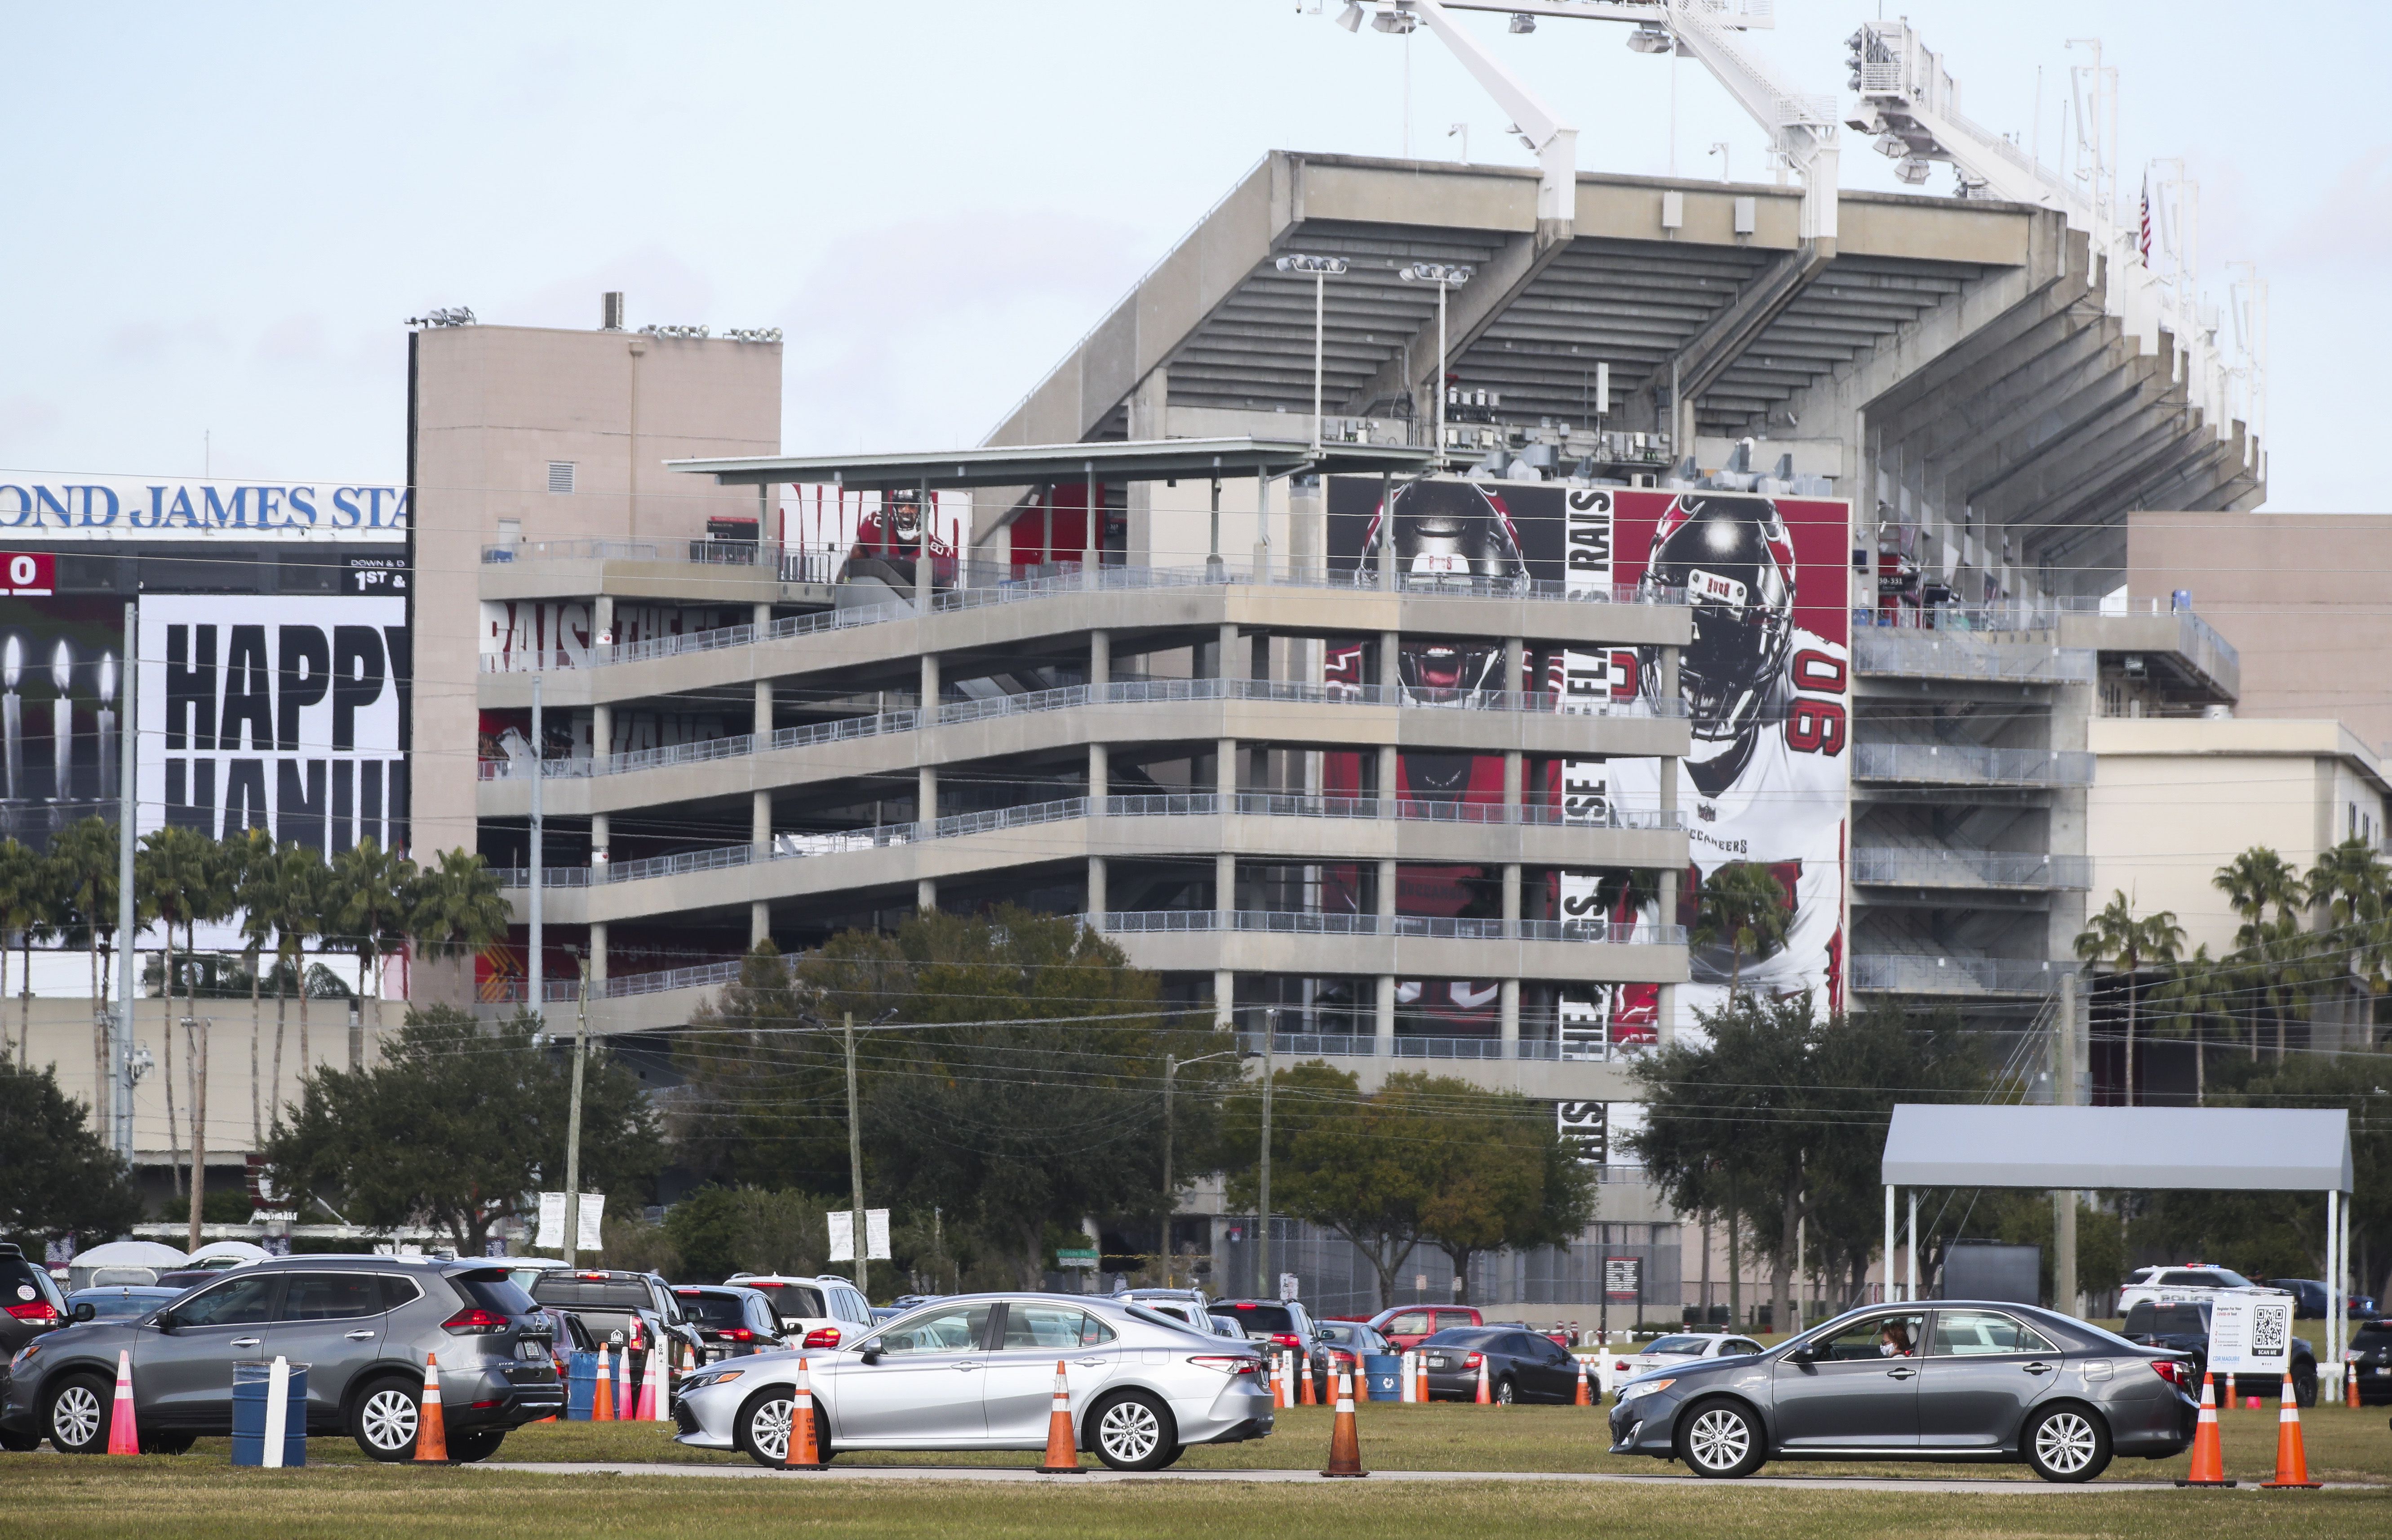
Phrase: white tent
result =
(227, 1254)
(138, 1262)
(2230, 1149)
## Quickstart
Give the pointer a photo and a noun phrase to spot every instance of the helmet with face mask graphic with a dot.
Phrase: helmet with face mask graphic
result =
(1457, 532)
(1734, 560)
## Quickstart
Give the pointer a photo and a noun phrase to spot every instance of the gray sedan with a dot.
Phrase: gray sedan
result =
(1958, 1380)
(978, 1372)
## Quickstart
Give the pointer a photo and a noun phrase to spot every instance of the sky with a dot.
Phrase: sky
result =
(220, 216)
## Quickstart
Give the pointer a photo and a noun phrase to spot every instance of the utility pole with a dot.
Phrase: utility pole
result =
(536, 976)
(127, 827)
(2064, 1094)
(855, 1159)
(1170, 1069)
(573, 1121)
(1265, 1281)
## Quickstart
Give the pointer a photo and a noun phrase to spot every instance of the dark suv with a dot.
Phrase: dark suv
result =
(30, 1305)
(364, 1326)
(732, 1321)
(608, 1302)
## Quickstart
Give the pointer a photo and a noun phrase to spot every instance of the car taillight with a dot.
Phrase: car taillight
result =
(823, 1336)
(40, 1310)
(1621, 1366)
(2171, 1371)
(740, 1333)
(1286, 1340)
(474, 1323)
(1229, 1363)
(1472, 1361)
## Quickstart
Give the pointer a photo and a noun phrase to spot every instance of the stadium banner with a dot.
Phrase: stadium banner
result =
(73, 505)
(1766, 683)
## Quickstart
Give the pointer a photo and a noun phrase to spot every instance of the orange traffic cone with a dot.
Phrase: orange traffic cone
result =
(1582, 1400)
(2350, 1386)
(1283, 1396)
(602, 1395)
(1345, 1442)
(2208, 1454)
(1484, 1399)
(1062, 1449)
(800, 1451)
(1421, 1368)
(124, 1435)
(1309, 1399)
(688, 1360)
(2292, 1460)
(2230, 1400)
(431, 1433)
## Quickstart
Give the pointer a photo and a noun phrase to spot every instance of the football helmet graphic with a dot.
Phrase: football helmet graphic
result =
(1733, 556)
(1453, 530)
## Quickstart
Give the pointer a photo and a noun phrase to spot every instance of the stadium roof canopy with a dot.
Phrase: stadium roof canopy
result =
(2273, 1148)
(1022, 464)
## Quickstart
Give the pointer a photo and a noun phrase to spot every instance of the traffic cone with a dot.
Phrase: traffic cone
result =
(431, 1433)
(801, 1453)
(1420, 1367)
(2350, 1386)
(1345, 1442)
(2230, 1400)
(1281, 1397)
(601, 1394)
(2208, 1454)
(1062, 1449)
(1582, 1400)
(625, 1408)
(1309, 1399)
(688, 1361)
(2292, 1460)
(652, 1386)
(124, 1435)
(1484, 1399)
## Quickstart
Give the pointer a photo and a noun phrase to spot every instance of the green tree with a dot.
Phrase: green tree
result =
(1743, 907)
(719, 1231)
(63, 1179)
(184, 880)
(457, 1125)
(2117, 934)
(1504, 1178)
(2348, 887)
(455, 909)
(26, 906)
(2270, 949)
(295, 891)
(81, 871)
(371, 889)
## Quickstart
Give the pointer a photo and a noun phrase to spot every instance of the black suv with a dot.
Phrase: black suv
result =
(30, 1305)
(2183, 1326)
(732, 1322)
(364, 1326)
(609, 1300)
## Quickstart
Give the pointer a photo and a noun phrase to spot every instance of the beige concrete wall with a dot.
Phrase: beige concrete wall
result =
(493, 406)
(2173, 801)
(2302, 596)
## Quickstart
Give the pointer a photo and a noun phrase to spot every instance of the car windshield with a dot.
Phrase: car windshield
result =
(1678, 1345)
(1160, 1314)
(1460, 1336)
(714, 1309)
(117, 1304)
(793, 1301)
(1260, 1320)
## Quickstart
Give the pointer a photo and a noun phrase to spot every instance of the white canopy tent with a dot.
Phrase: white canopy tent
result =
(2070, 1149)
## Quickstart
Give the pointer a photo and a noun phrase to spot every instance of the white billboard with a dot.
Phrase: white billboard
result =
(72, 505)
(285, 713)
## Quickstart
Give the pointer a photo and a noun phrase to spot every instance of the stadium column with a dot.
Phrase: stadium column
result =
(1389, 642)
(926, 785)
(1384, 1025)
(1668, 1003)
(760, 813)
(1100, 673)
(1225, 779)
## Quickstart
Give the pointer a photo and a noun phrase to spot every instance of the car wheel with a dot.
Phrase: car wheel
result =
(466, 1448)
(384, 1419)
(2067, 1443)
(2305, 1389)
(1722, 1439)
(1132, 1432)
(1171, 1456)
(168, 1443)
(77, 1418)
(20, 1443)
(1505, 1391)
(764, 1427)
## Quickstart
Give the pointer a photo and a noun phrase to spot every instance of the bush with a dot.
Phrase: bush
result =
(719, 1231)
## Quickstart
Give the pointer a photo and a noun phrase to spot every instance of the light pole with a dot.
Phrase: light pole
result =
(128, 1073)
(1444, 275)
(572, 1120)
(855, 1160)
(534, 974)
(1321, 268)
(1172, 1064)
(1263, 1277)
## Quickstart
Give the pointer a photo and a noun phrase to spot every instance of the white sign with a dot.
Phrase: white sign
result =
(842, 1236)
(2250, 1334)
(1287, 1285)
(65, 505)
(876, 1235)
(552, 1221)
(594, 1209)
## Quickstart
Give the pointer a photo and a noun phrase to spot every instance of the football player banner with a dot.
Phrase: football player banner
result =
(1765, 683)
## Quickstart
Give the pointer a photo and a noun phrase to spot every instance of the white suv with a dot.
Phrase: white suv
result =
(814, 1312)
(2189, 1283)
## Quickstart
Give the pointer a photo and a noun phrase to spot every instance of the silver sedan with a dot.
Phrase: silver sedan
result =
(978, 1372)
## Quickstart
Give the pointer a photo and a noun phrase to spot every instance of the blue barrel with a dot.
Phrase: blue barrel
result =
(249, 1386)
(581, 1386)
(1384, 1374)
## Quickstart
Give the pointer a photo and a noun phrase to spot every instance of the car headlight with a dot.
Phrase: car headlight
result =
(1636, 1389)
(702, 1381)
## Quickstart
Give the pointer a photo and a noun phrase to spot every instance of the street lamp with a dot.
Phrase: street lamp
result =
(1320, 268)
(1262, 1195)
(1172, 1065)
(1444, 275)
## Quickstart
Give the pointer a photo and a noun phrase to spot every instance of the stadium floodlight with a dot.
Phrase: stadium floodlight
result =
(1444, 275)
(1523, 22)
(1651, 37)
(1351, 17)
(1396, 23)
(1322, 269)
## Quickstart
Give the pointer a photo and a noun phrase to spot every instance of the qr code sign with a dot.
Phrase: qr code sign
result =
(2270, 1326)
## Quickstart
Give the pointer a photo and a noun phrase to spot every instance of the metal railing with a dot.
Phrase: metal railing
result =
(1907, 974)
(1969, 764)
(1358, 1045)
(1934, 867)
(1944, 654)
(1432, 927)
(1068, 580)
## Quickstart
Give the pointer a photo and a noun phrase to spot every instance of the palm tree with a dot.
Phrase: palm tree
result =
(185, 879)
(2255, 882)
(456, 908)
(24, 908)
(81, 869)
(2347, 883)
(1741, 904)
(369, 887)
(2115, 933)
(2198, 994)
(250, 873)
(296, 895)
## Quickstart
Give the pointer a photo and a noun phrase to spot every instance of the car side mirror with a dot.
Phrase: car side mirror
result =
(165, 1321)
(1807, 1352)
(85, 1311)
(872, 1352)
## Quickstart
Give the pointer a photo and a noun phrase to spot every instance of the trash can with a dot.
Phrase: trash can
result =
(1385, 1372)
(581, 1386)
(250, 1383)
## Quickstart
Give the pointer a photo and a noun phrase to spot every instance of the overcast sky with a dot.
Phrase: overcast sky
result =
(219, 216)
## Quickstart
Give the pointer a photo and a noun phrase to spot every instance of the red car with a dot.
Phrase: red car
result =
(1406, 1325)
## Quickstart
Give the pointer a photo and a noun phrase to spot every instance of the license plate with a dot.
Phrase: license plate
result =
(1437, 1363)
(531, 1350)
